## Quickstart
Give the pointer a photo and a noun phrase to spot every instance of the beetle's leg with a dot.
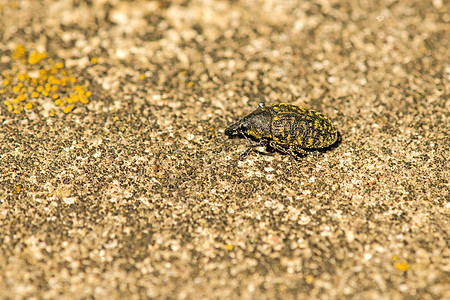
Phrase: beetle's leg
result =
(292, 150)
(295, 151)
(262, 143)
(245, 153)
(296, 148)
(278, 147)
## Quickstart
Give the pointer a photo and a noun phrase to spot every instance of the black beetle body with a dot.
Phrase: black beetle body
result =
(286, 128)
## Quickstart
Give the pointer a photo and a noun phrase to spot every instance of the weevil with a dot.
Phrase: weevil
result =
(287, 128)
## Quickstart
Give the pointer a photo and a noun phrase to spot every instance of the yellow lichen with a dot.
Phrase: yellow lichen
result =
(229, 247)
(69, 108)
(402, 266)
(36, 57)
(19, 52)
(22, 76)
(36, 77)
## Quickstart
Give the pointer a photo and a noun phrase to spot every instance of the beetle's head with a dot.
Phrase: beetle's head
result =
(234, 130)
(256, 125)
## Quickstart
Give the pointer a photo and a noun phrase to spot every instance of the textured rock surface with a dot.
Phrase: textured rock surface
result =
(135, 190)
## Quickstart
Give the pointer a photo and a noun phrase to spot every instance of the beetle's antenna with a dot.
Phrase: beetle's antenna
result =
(245, 153)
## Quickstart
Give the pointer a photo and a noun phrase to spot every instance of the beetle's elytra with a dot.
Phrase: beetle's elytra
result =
(286, 128)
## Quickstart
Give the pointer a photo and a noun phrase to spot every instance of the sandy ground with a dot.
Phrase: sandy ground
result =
(117, 179)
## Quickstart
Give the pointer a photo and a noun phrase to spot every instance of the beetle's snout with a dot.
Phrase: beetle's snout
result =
(233, 130)
(237, 129)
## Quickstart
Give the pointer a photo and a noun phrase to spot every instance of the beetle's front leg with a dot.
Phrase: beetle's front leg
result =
(296, 148)
(262, 143)
(278, 147)
(295, 151)
(292, 150)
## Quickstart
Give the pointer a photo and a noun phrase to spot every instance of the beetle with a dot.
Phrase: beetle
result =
(285, 127)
